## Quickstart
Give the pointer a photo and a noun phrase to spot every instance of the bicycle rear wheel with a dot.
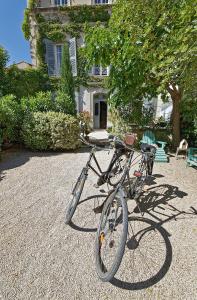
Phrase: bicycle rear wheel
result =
(75, 197)
(150, 166)
(117, 170)
(111, 236)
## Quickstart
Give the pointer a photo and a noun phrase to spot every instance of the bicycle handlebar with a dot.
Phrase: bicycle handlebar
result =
(111, 139)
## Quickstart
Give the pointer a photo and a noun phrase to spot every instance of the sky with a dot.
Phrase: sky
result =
(11, 35)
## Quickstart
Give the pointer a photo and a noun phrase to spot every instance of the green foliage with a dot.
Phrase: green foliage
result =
(28, 82)
(85, 119)
(64, 131)
(151, 46)
(3, 61)
(51, 130)
(87, 13)
(41, 102)
(26, 24)
(48, 101)
(36, 131)
(67, 82)
(32, 4)
(64, 103)
(10, 118)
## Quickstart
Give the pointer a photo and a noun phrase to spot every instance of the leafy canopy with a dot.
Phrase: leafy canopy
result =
(150, 45)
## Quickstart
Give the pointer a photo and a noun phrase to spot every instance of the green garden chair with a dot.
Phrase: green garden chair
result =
(149, 138)
(192, 157)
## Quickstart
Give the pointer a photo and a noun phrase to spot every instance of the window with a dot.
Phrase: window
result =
(100, 71)
(58, 58)
(60, 2)
(101, 1)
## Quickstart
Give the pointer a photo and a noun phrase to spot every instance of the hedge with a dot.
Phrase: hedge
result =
(50, 130)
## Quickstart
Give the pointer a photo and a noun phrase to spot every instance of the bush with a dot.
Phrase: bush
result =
(10, 118)
(64, 131)
(28, 82)
(41, 102)
(48, 101)
(64, 103)
(84, 117)
(36, 131)
(51, 130)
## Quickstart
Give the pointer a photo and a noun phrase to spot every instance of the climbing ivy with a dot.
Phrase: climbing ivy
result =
(55, 30)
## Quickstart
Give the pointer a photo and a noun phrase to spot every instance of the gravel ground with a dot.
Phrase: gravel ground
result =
(42, 258)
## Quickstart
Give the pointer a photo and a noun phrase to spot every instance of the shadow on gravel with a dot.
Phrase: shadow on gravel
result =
(139, 246)
(96, 201)
(156, 205)
(155, 200)
(16, 157)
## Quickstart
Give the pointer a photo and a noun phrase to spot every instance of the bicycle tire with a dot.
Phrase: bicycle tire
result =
(103, 273)
(150, 167)
(75, 196)
(119, 171)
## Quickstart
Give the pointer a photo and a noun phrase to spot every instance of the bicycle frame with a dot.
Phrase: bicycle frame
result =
(101, 174)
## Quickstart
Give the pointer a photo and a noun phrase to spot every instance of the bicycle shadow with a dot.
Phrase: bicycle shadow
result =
(161, 270)
(156, 198)
(87, 214)
(156, 205)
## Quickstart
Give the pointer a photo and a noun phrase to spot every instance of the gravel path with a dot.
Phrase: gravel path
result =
(42, 258)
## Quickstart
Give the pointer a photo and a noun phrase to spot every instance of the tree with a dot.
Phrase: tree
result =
(67, 82)
(3, 61)
(151, 46)
(25, 83)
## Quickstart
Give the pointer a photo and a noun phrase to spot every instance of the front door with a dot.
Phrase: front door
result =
(103, 115)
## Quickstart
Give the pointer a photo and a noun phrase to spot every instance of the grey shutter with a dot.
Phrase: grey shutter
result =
(73, 55)
(50, 57)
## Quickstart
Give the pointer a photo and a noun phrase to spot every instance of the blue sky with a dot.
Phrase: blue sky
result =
(11, 35)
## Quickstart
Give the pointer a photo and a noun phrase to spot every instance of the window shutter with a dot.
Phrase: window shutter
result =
(73, 55)
(50, 57)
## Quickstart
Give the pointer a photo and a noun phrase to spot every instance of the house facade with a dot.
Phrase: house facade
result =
(51, 24)
(66, 19)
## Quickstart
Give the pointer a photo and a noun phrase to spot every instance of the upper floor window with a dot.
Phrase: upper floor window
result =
(100, 71)
(60, 2)
(102, 1)
(58, 58)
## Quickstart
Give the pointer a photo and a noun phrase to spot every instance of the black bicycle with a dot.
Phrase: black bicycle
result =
(113, 227)
(111, 176)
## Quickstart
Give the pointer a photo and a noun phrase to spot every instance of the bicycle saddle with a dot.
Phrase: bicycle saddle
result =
(148, 148)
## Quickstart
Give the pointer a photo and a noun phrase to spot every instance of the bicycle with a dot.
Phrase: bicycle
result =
(110, 176)
(113, 227)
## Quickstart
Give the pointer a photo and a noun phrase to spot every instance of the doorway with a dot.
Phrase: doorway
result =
(100, 112)
(103, 115)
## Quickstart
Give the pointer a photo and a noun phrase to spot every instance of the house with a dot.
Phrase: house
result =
(22, 65)
(52, 22)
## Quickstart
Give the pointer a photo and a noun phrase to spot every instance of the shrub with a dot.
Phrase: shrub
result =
(84, 117)
(10, 118)
(64, 103)
(41, 102)
(25, 83)
(64, 131)
(51, 130)
(36, 131)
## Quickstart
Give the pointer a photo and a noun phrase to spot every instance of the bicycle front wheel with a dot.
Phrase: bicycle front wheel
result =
(75, 197)
(111, 236)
